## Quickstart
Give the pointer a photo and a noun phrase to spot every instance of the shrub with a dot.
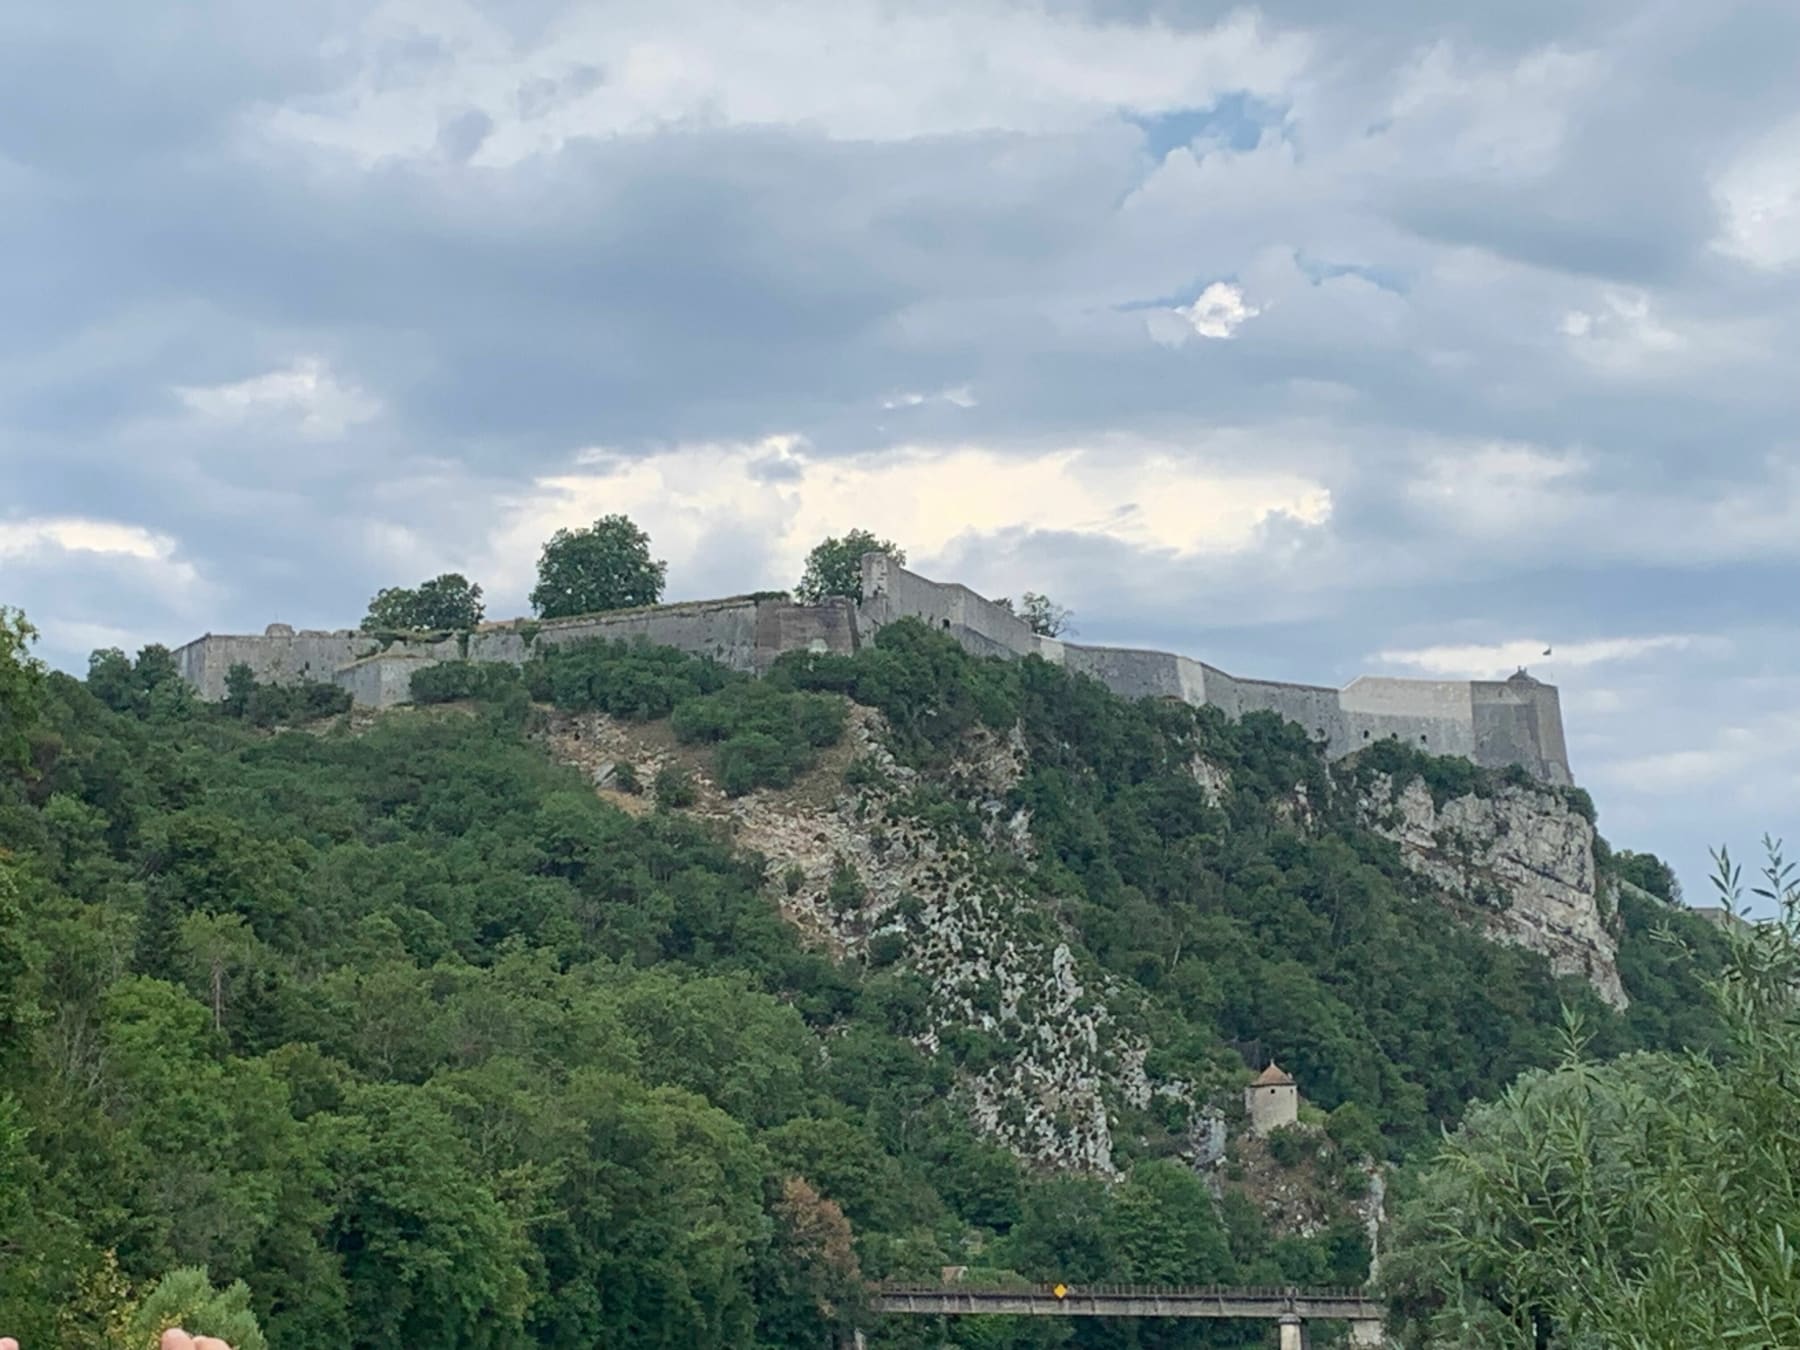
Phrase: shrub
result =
(623, 679)
(1289, 1145)
(452, 680)
(675, 787)
(625, 778)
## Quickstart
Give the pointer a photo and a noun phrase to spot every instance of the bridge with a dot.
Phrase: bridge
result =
(1291, 1308)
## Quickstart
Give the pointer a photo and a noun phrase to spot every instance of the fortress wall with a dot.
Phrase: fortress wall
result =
(1432, 715)
(1314, 707)
(383, 680)
(1131, 673)
(1493, 723)
(1520, 724)
(783, 626)
(283, 659)
(891, 592)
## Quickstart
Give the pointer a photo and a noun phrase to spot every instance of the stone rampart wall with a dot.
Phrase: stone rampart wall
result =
(745, 634)
(1493, 723)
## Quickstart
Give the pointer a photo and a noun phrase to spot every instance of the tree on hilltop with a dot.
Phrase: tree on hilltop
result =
(1042, 615)
(834, 567)
(606, 566)
(447, 601)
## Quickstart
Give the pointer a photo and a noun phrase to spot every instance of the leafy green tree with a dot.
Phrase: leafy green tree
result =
(1042, 615)
(186, 1298)
(447, 601)
(834, 567)
(605, 566)
(21, 687)
(1644, 1202)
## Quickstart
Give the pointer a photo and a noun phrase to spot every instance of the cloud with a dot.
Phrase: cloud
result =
(1758, 196)
(854, 70)
(26, 538)
(1489, 661)
(306, 393)
(1217, 312)
(959, 397)
(1144, 495)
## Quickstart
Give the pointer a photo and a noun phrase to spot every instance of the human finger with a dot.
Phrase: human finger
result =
(177, 1339)
(209, 1343)
(8, 1343)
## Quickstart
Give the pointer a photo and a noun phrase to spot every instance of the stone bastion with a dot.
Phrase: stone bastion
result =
(1494, 723)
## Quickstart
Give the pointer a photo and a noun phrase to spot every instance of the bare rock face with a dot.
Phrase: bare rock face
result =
(1522, 860)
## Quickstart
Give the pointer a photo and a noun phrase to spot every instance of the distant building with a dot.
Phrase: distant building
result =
(1272, 1101)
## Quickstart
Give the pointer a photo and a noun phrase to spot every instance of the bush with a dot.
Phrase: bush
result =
(452, 680)
(1289, 1145)
(267, 705)
(623, 679)
(675, 787)
(767, 734)
(625, 778)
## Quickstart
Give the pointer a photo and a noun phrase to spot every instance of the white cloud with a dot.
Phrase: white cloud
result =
(1491, 120)
(1488, 661)
(1498, 490)
(50, 545)
(1217, 312)
(73, 534)
(1758, 195)
(854, 70)
(961, 396)
(307, 393)
(1144, 494)
(1622, 334)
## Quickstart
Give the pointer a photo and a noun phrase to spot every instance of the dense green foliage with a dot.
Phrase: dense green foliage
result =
(20, 678)
(1648, 1202)
(605, 566)
(834, 567)
(407, 1030)
(450, 601)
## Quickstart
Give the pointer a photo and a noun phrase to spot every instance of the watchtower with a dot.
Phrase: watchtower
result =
(1272, 1100)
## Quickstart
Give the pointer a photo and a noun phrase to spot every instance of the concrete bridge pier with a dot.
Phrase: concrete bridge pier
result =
(1291, 1332)
(1367, 1333)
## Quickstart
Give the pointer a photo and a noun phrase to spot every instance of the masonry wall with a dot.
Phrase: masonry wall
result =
(1493, 723)
(745, 634)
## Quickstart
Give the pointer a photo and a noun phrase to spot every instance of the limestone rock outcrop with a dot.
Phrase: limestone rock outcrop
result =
(1520, 860)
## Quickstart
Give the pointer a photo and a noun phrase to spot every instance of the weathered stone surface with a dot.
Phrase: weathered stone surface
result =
(1522, 860)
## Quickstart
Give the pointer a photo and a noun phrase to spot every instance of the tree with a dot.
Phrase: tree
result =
(606, 566)
(1650, 1201)
(834, 567)
(447, 601)
(21, 686)
(1042, 615)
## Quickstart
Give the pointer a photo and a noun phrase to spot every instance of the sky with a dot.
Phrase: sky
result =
(1410, 343)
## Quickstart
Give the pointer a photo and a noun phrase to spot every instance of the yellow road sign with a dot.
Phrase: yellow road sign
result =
(1061, 1290)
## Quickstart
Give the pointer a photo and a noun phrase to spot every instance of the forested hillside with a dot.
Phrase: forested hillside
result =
(401, 1024)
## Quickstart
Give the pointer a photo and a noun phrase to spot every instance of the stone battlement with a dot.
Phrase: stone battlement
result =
(1494, 723)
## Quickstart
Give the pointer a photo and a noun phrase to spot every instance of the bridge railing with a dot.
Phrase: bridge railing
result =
(1129, 1290)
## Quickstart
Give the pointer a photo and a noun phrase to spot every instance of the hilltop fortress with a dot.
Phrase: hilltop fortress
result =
(1494, 723)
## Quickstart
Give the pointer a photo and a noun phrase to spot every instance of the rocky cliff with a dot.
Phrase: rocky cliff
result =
(1519, 861)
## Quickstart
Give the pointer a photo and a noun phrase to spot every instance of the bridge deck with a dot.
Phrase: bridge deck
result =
(952, 1300)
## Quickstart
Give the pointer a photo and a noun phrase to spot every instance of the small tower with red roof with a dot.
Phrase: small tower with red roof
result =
(1272, 1100)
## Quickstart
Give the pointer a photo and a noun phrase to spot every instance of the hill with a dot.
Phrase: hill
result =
(627, 1000)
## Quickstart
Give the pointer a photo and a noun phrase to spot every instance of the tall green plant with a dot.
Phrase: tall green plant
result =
(1650, 1202)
